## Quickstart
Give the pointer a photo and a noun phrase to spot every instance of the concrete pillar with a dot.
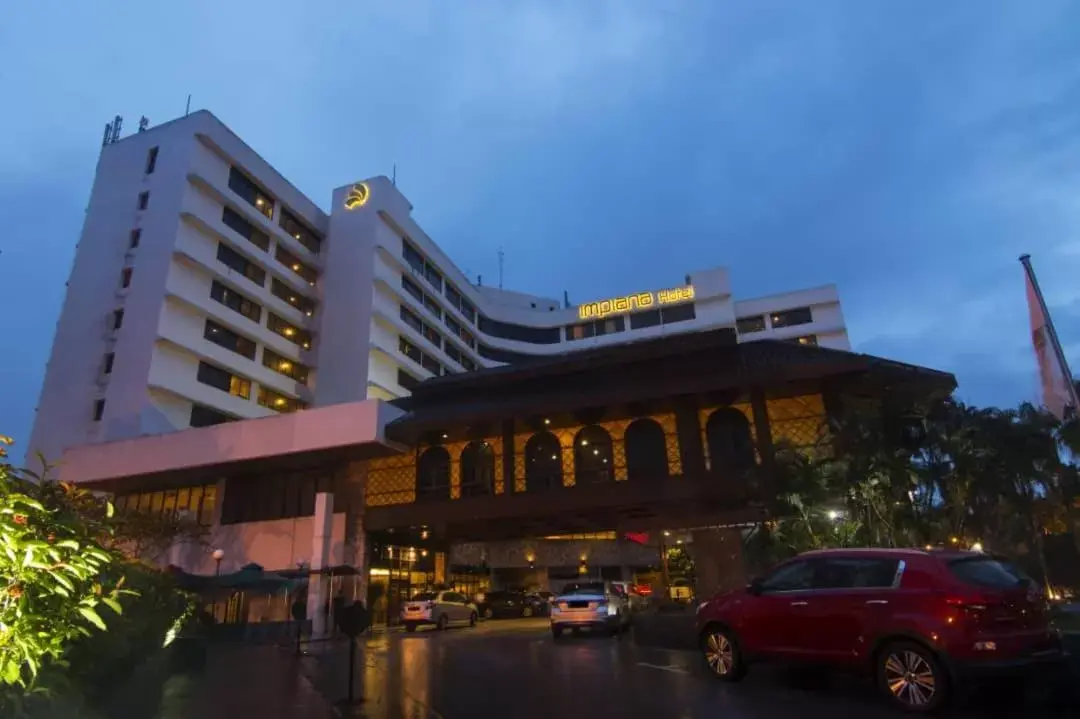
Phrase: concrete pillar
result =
(718, 561)
(318, 592)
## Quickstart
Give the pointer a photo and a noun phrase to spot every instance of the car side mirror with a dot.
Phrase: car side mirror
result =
(754, 587)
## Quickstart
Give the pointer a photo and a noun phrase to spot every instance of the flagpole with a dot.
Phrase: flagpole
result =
(1025, 260)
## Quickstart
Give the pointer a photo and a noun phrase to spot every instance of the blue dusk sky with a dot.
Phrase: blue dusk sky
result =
(907, 151)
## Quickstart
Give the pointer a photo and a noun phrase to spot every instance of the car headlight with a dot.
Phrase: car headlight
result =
(612, 609)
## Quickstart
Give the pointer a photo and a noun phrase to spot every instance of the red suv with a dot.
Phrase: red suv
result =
(920, 621)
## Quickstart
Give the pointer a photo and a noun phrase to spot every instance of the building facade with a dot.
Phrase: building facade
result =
(524, 476)
(206, 288)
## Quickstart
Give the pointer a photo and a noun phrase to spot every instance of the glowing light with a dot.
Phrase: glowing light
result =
(358, 196)
(296, 267)
(279, 401)
(954, 540)
(547, 421)
(833, 515)
(977, 547)
(629, 303)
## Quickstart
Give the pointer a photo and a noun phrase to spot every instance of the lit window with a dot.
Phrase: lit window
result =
(790, 318)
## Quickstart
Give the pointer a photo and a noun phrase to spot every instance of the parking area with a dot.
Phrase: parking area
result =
(513, 668)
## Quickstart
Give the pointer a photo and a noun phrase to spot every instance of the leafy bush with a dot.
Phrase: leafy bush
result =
(52, 580)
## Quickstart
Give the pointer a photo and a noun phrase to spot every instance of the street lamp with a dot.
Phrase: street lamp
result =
(218, 555)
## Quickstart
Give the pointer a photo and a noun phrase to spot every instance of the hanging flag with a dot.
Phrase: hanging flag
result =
(1055, 379)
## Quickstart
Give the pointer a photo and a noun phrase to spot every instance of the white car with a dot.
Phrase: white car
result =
(438, 608)
(589, 605)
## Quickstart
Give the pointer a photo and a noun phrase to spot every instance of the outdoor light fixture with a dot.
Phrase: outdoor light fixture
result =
(423, 534)
(833, 515)
(667, 533)
(547, 421)
(977, 547)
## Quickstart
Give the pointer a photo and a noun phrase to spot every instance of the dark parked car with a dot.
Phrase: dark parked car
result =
(918, 621)
(509, 603)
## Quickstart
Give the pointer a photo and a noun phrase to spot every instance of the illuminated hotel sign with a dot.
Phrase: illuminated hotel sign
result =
(640, 301)
(357, 197)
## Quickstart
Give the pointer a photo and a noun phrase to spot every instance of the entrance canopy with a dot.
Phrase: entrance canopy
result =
(333, 434)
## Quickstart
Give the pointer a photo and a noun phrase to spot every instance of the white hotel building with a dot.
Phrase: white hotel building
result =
(207, 288)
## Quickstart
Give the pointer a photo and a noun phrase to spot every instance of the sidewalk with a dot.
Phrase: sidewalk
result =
(238, 681)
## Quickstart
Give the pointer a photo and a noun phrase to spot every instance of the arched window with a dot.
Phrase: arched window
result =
(593, 461)
(433, 474)
(543, 462)
(731, 446)
(646, 450)
(477, 469)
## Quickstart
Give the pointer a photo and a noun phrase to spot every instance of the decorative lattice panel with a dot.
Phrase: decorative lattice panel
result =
(566, 441)
(519, 461)
(391, 480)
(617, 430)
(703, 419)
(671, 443)
(800, 422)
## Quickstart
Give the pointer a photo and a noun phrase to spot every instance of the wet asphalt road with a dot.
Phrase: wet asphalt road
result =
(514, 669)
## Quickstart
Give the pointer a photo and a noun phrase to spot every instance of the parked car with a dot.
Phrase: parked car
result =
(510, 603)
(589, 605)
(918, 621)
(439, 608)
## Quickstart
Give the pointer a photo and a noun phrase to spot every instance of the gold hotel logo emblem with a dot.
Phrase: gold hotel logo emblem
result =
(358, 196)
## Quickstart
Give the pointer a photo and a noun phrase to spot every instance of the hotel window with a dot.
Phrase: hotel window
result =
(237, 262)
(235, 301)
(203, 416)
(144, 200)
(223, 380)
(409, 317)
(677, 313)
(410, 350)
(452, 352)
(520, 333)
(790, 318)
(283, 365)
(412, 288)
(749, 325)
(151, 160)
(596, 328)
(412, 257)
(406, 380)
(431, 364)
(432, 336)
(300, 232)
(249, 191)
(110, 357)
(133, 239)
(293, 334)
(99, 409)
(125, 277)
(194, 502)
(810, 340)
(649, 318)
(468, 311)
(245, 229)
(468, 364)
(454, 296)
(291, 261)
(432, 276)
(283, 292)
(432, 306)
(117, 319)
(224, 337)
(278, 402)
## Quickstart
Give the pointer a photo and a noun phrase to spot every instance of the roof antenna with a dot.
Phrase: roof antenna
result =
(187, 107)
(479, 280)
(501, 256)
(566, 299)
(393, 176)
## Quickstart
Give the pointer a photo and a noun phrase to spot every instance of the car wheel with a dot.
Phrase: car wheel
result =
(526, 611)
(472, 619)
(722, 654)
(912, 677)
(488, 613)
(410, 627)
(441, 624)
(556, 632)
